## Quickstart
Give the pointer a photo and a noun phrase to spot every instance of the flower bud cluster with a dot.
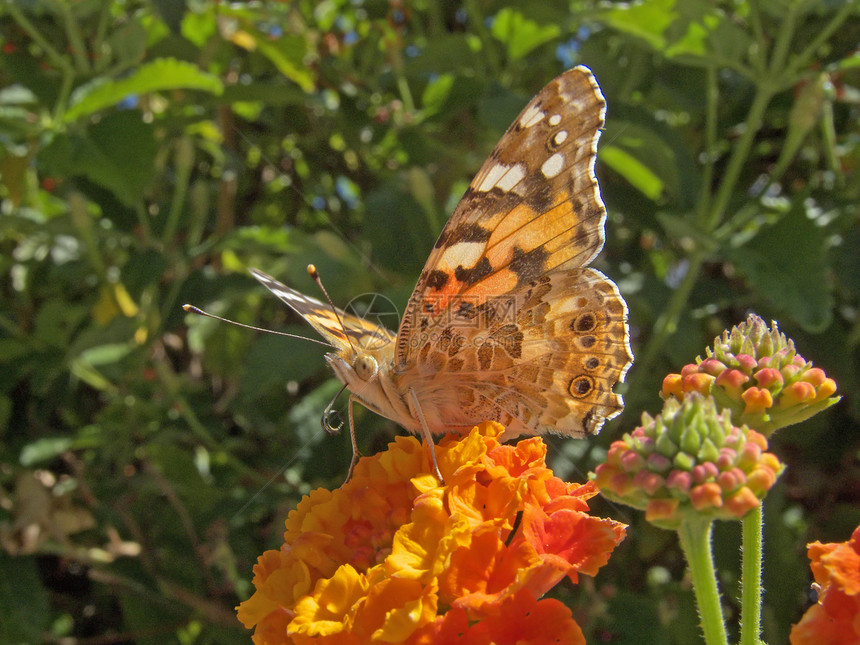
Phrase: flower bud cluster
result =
(757, 374)
(689, 460)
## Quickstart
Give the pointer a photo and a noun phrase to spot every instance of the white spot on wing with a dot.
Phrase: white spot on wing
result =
(552, 166)
(555, 119)
(511, 178)
(531, 116)
(464, 254)
(491, 178)
(504, 177)
(560, 137)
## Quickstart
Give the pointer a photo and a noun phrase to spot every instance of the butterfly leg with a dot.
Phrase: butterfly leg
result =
(425, 433)
(355, 453)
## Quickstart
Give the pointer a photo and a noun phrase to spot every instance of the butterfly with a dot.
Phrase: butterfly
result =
(507, 322)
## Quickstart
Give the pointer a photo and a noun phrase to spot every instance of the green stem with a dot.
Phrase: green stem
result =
(740, 153)
(712, 107)
(101, 60)
(751, 577)
(667, 322)
(757, 53)
(184, 165)
(783, 42)
(76, 39)
(489, 54)
(55, 57)
(809, 54)
(695, 538)
(62, 103)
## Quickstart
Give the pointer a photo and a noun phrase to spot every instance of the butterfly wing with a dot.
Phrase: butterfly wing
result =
(530, 222)
(342, 330)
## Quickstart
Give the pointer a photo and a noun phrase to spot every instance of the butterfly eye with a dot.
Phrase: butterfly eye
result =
(365, 367)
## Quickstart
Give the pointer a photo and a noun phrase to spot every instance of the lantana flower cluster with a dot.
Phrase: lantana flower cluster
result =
(835, 618)
(689, 460)
(395, 557)
(757, 374)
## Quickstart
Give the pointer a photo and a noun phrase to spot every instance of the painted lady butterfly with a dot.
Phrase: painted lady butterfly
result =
(507, 321)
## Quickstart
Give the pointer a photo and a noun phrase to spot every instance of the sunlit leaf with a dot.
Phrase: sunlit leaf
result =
(159, 75)
(520, 34)
(638, 174)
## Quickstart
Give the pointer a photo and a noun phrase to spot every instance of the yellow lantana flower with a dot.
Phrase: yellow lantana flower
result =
(394, 557)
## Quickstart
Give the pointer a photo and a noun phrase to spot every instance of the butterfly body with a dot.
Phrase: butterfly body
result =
(507, 322)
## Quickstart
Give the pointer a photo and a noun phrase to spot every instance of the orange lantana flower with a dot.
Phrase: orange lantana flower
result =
(835, 619)
(395, 557)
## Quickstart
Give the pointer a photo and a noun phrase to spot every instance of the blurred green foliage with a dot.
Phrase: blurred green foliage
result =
(150, 151)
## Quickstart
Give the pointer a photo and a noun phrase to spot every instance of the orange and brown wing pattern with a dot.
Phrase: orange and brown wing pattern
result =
(350, 332)
(542, 359)
(533, 208)
(508, 322)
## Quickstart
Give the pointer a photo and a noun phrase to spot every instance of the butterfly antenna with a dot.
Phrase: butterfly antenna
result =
(196, 310)
(315, 276)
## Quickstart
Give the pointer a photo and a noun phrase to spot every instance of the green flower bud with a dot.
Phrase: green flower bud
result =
(713, 467)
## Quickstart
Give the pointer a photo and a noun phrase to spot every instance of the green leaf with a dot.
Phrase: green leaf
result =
(436, 93)
(651, 157)
(272, 361)
(23, 601)
(44, 450)
(634, 171)
(692, 29)
(118, 154)
(786, 264)
(106, 354)
(646, 20)
(128, 43)
(520, 34)
(286, 52)
(161, 74)
(406, 251)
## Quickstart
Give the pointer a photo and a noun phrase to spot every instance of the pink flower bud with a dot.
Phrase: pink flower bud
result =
(742, 501)
(712, 366)
(728, 480)
(746, 362)
(632, 461)
(698, 382)
(732, 381)
(673, 386)
(706, 495)
(679, 480)
(815, 376)
(770, 379)
(661, 509)
(689, 368)
(757, 400)
(648, 481)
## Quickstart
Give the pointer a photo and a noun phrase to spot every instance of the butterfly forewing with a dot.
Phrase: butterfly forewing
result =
(530, 221)
(342, 330)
